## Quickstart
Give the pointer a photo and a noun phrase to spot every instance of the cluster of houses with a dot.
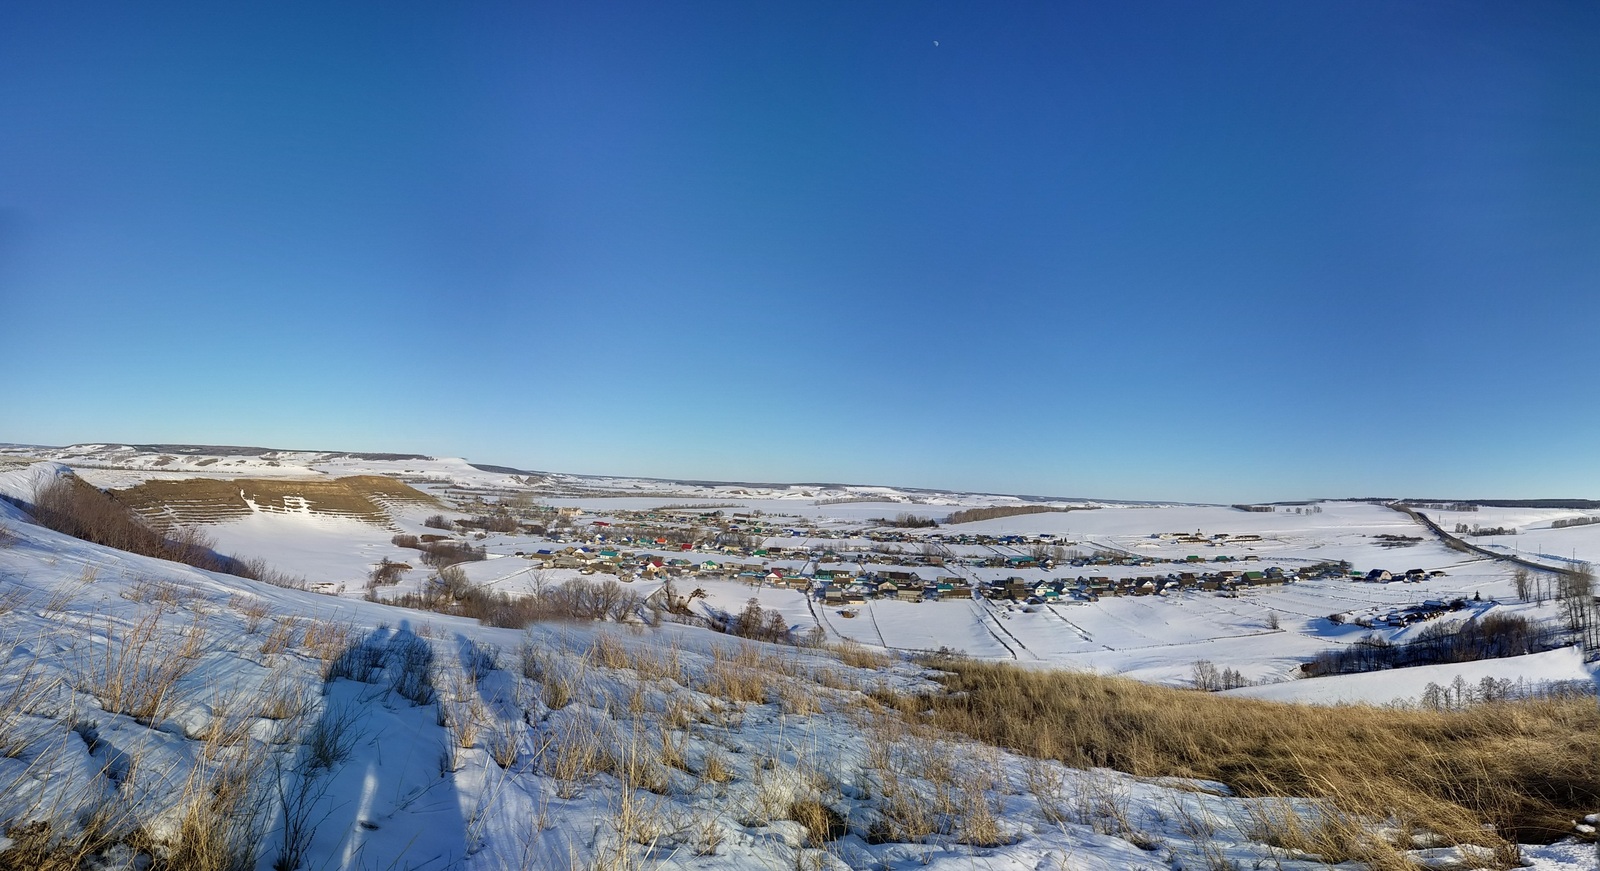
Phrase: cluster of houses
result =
(1413, 613)
(1092, 588)
(1216, 540)
(925, 575)
(834, 589)
(1384, 576)
(628, 565)
(841, 586)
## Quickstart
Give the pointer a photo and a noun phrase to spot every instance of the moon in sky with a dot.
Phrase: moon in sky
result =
(936, 43)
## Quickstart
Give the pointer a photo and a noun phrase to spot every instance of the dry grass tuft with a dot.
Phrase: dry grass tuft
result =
(12, 599)
(737, 677)
(797, 699)
(505, 744)
(280, 637)
(326, 641)
(656, 663)
(716, 768)
(823, 823)
(193, 640)
(735, 684)
(573, 754)
(281, 701)
(1326, 832)
(609, 652)
(855, 655)
(24, 690)
(253, 610)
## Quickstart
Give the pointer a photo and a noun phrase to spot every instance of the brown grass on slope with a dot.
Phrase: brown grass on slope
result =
(1529, 768)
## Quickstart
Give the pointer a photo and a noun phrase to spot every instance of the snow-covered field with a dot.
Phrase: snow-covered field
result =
(467, 772)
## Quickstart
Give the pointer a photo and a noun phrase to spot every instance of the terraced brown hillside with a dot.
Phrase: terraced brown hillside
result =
(368, 498)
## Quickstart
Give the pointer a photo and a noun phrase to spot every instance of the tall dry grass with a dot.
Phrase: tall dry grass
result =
(134, 672)
(204, 809)
(856, 655)
(1526, 768)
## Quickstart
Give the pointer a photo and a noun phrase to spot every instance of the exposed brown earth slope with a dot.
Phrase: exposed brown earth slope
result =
(368, 498)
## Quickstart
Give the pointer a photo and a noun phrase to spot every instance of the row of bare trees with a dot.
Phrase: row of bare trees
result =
(997, 511)
(450, 592)
(440, 554)
(1574, 589)
(1206, 676)
(1493, 637)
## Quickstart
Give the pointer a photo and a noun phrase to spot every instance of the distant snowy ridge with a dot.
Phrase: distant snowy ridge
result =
(121, 465)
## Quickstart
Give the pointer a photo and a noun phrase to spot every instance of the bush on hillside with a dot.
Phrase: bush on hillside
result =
(387, 573)
(448, 553)
(439, 521)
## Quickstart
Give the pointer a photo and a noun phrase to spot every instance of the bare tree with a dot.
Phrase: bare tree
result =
(541, 581)
(1576, 591)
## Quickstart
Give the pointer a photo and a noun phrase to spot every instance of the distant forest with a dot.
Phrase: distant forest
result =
(1579, 504)
(971, 514)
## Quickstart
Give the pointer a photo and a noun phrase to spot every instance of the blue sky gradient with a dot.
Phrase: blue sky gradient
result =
(1205, 251)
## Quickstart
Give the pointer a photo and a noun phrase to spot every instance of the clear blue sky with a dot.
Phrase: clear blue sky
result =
(1208, 251)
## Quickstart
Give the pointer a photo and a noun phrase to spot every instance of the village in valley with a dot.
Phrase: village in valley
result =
(849, 568)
